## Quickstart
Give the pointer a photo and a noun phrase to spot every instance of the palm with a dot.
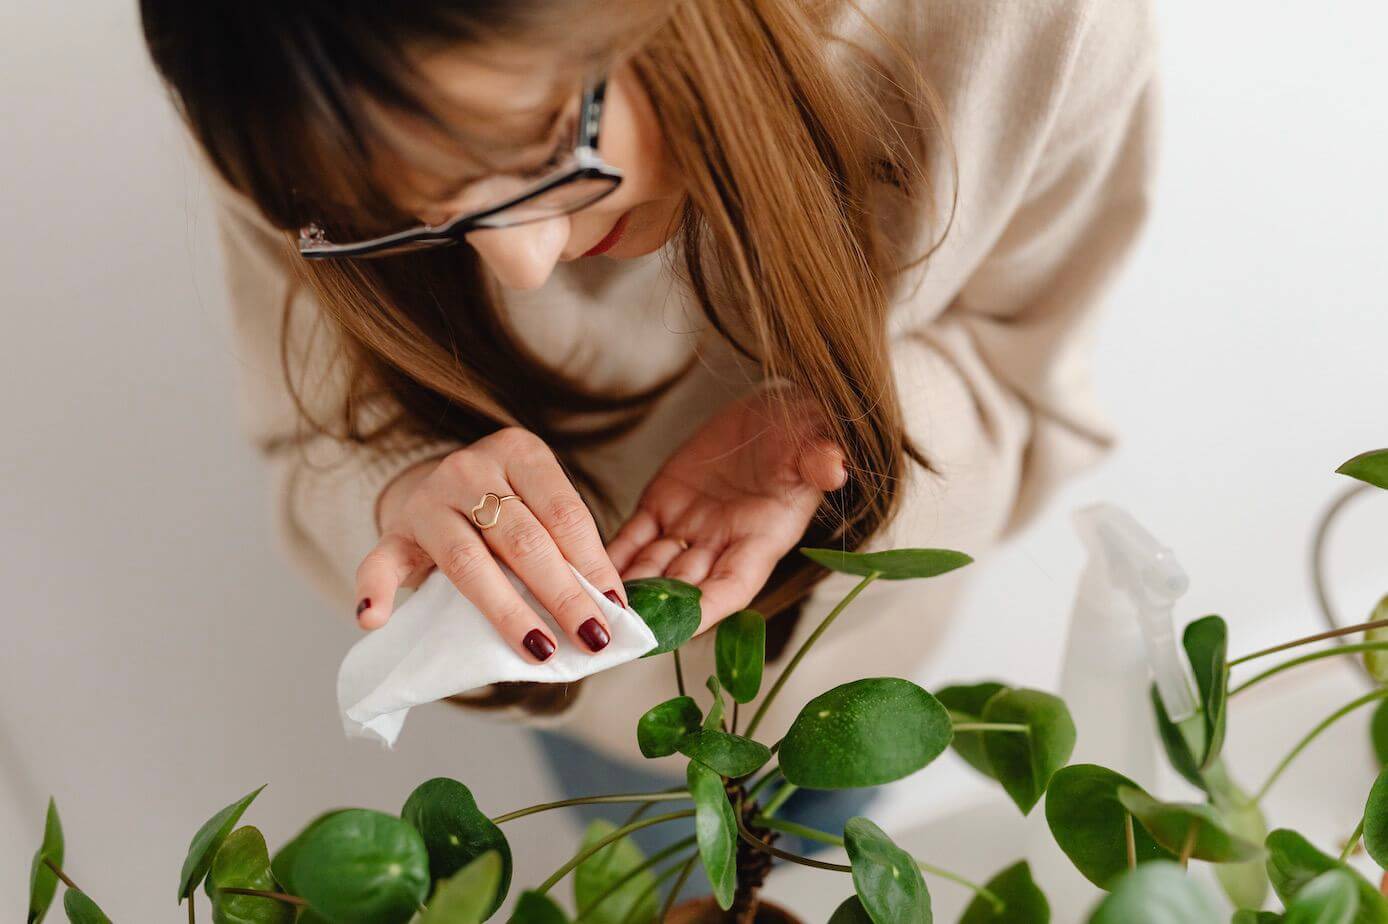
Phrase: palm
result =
(740, 492)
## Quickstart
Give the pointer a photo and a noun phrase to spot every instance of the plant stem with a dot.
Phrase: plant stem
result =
(60, 874)
(616, 835)
(733, 729)
(1313, 733)
(1353, 840)
(824, 837)
(666, 796)
(1131, 840)
(778, 800)
(191, 914)
(804, 648)
(679, 672)
(1318, 637)
(674, 895)
(664, 874)
(1306, 658)
(1189, 845)
(761, 784)
(991, 727)
(630, 875)
(277, 896)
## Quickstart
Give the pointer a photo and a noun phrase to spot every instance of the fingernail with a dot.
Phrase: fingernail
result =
(612, 595)
(364, 605)
(538, 644)
(594, 635)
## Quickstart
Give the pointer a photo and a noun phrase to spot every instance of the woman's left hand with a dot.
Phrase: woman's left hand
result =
(740, 493)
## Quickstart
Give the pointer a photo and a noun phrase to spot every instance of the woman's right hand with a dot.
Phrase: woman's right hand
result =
(425, 523)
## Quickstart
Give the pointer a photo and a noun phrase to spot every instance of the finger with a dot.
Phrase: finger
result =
(634, 535)
(523, 543)
(823, 467)
(459, 552)
(652, 560)
(384, 570)
(569, 522)
(733, 580)
(692, 564)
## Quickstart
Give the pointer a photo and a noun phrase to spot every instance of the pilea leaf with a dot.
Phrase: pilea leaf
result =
(739, 651)
(1089, 823)
(729, 755)
(892, 564)
(1378, 732)
(670, 609)
(1206, 642)
(965, 702)
(1246, 884)
(864, 733)
(1293, 862)
(82, 910)
(1370, 467)
(43, 882)
(1178, 751)
(1376, 662)
(456, 832)
(1023, 902)
(362, 867)
(851, 911)
(659, 731)
(243, 862)
(469, 895)
(537, 908)
(1023, 763)
(1182, 826)
(206, 842)
(714, 719)
(715, 829)
(1376, 820)
(1330, 898)
(635, 901)
(282, 863)
(887, 879)
(1159, 892)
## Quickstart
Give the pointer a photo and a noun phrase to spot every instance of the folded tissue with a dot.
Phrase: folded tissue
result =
(438, 644)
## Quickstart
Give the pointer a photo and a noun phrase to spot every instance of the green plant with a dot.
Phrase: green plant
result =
(444, 861)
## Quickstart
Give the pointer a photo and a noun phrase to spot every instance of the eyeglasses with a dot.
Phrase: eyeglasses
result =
(581, 179)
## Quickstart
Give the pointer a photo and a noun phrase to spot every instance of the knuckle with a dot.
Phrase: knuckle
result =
(526, 538)
(464, 562)
(515, 440)
(510, 620)
(569, 515)
(572, 607)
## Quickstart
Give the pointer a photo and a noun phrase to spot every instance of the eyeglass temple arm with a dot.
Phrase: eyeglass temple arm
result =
(591, 114)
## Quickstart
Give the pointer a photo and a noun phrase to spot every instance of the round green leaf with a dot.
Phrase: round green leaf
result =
(1174, 824)
(851, 911)
(362, 867)
(864, 733)
(1023, 902)
(670, 608)
(82, 910)
(537, 908)
(1156, 893)
(739, 651)
(455, 831)
(1088, 823)
(965, 703)
(1024, 763)
(1246, 884)
(1378, 732)
(43, 882)
(714, 719)
(468, 896)
(1377, 661)
(1206, 642)
(729, 755)
(1370, 467)
(887, 879)
(715, 829)
(659, 731)
(282, 863)
(1376, 820)
(205, 843)
(1330, 898)
(243, 862)
(892, 564)
(599, 872)
(1249, 916)
(1293, 862)
(1178, 751)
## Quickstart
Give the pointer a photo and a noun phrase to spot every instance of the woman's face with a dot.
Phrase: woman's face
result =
(516, 102)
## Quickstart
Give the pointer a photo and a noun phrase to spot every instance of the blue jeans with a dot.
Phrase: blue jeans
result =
(581, 771)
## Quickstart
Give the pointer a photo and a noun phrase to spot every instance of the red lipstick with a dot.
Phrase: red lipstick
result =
(611, 238)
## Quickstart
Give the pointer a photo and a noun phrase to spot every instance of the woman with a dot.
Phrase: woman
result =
(699, 282)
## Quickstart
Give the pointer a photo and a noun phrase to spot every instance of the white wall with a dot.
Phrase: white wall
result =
(159, 659)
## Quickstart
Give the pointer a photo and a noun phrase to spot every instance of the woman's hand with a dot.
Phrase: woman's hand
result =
(425, 523)
(740, 493)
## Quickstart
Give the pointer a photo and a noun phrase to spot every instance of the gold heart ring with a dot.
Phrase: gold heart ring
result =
(496, 511)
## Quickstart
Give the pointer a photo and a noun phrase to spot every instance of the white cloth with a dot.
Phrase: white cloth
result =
(438, 644)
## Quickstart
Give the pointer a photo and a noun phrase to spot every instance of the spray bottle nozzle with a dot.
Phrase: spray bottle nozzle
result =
(1145, 573)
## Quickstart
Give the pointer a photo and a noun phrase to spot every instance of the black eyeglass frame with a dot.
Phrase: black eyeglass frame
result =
(585, 164)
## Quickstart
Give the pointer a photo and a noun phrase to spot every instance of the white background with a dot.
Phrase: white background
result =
(159, 659)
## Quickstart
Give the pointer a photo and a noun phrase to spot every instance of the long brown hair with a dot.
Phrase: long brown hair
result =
(792, 142)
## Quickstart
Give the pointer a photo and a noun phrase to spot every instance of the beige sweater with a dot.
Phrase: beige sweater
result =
(1052, 109)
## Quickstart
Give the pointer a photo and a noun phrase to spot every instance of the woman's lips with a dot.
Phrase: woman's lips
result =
(612, 237)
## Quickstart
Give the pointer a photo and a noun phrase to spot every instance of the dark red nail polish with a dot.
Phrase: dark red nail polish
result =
(363, 605)
(612, 595)
(594, 635)
(538, 644)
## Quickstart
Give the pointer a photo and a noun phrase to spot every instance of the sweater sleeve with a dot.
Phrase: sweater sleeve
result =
(996, 388)
(323, 490)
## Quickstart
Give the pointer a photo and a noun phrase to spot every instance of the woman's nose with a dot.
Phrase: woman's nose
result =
(523, 256)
